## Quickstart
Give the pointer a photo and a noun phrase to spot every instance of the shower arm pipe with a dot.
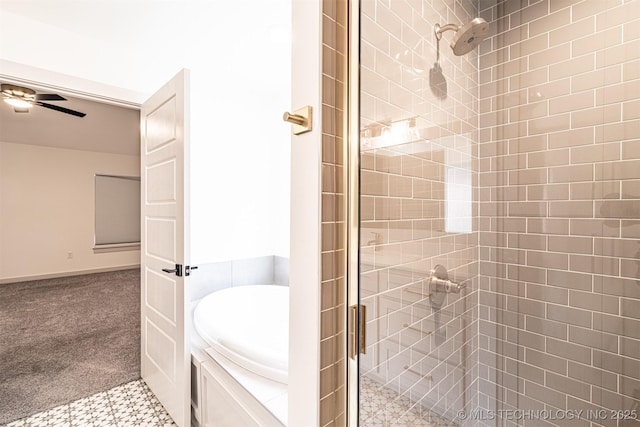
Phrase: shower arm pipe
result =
(439, 30)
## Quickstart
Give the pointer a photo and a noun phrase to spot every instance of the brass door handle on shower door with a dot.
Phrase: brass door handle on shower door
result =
(300, 119)
(357, 336)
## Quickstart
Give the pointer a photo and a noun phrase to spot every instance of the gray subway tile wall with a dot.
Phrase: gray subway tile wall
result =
(564, 79)
(332, 393)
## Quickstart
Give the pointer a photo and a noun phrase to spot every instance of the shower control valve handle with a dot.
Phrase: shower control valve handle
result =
(449, 285)
(440, 285)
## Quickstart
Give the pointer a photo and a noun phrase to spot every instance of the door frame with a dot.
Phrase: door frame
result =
(37, 78)
(305, 275)
(353, 204)
(305, 223)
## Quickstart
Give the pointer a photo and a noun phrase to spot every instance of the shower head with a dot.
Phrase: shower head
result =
(467, 36)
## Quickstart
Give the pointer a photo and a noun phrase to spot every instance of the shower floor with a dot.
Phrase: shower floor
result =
(381, 407)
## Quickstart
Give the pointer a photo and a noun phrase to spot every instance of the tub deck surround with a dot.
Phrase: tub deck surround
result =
(268, 394)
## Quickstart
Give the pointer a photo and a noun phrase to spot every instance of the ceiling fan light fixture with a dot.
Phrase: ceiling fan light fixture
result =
(18, 103)
(22, 98)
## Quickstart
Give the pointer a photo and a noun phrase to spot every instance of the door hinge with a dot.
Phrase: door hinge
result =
(357, 330)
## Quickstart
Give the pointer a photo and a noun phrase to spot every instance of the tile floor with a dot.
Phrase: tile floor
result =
(383, 407)
(131, 404)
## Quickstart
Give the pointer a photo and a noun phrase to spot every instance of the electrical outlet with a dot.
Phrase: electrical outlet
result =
(69, 255)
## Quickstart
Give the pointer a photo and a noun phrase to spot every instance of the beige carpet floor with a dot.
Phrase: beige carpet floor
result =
(67, 338)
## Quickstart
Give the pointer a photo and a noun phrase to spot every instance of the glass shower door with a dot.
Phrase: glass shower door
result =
(420, 332)
(499, 215)
(418, 265)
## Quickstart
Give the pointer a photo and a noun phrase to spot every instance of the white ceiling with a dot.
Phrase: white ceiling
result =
(106, 128)
(112, 21)
(137, 45)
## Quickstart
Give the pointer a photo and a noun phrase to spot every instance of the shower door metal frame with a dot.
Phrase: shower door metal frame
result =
(352, 171)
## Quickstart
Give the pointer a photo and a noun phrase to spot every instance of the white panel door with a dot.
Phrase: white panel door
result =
(165, 345)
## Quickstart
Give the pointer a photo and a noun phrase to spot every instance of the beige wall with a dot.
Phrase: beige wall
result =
(47, 210)
(560, 206)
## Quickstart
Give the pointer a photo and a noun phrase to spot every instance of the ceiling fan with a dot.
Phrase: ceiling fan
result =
(22, 98)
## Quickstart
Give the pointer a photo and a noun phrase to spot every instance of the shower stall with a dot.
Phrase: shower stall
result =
(495, 188)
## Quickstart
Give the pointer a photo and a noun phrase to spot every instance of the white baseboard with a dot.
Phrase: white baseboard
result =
(67, 273)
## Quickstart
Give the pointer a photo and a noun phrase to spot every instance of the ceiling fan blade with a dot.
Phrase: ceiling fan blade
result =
(21, 110)
(61, 109)
(49, 97)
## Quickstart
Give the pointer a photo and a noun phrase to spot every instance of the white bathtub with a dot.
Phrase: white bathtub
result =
(245, 331)
(250, 326)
